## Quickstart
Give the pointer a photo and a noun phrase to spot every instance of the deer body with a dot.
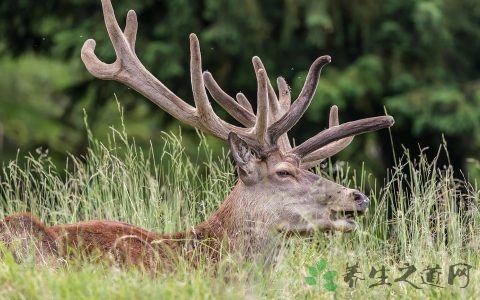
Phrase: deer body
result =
(275, 193)
(126, 244)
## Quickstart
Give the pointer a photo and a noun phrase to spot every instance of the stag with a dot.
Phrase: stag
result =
(275, 192)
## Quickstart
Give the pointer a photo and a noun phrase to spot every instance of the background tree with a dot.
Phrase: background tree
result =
(419, 59)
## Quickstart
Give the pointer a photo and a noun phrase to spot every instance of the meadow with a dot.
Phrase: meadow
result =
(430, 234)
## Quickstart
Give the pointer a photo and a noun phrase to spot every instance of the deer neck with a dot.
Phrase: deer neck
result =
(239, 222)
(234, 228)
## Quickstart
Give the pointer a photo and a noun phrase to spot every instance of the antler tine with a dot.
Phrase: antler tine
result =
(341, 131)
(235, 109)
(314, 158)
(122, 43)
(284, 101)
(300, 105)
(261, 123)
(131, 28)
(204, 108)
(274, 109)
(92, 63)
(243, 101)
(333, 119)
(284, 95)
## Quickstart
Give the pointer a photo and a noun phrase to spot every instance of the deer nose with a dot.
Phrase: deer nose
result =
(361, 200)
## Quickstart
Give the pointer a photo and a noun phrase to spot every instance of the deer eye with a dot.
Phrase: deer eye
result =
(284, 173)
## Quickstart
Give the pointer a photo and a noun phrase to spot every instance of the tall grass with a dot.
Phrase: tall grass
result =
(434, 220)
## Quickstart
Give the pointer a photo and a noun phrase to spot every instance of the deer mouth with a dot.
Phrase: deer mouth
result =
(342, 221)
(347, 214)
(345, 221)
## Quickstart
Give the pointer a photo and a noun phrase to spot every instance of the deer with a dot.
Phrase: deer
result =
(276, 193)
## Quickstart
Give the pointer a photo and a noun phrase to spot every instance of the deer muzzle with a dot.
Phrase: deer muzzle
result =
(361, 201)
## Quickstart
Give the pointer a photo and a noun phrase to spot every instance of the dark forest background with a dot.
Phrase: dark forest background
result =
(418, 60)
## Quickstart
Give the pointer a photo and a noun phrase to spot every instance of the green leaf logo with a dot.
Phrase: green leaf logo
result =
(310, 281)
(322, 264)
(313, 271)
(330, 286)
(328, 276)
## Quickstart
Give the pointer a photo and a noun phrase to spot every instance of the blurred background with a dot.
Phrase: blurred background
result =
(417, 60)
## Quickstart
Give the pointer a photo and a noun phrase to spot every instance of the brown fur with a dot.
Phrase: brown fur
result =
(23, 234)
(26, 237)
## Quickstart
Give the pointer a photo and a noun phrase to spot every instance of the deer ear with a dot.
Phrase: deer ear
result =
(243, 157)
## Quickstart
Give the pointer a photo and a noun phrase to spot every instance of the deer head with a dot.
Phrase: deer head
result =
(275, 191)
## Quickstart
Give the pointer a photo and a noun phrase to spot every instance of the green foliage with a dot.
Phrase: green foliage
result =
(33, 102)
(437, 109)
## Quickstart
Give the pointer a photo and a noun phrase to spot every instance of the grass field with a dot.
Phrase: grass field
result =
(434, 226)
